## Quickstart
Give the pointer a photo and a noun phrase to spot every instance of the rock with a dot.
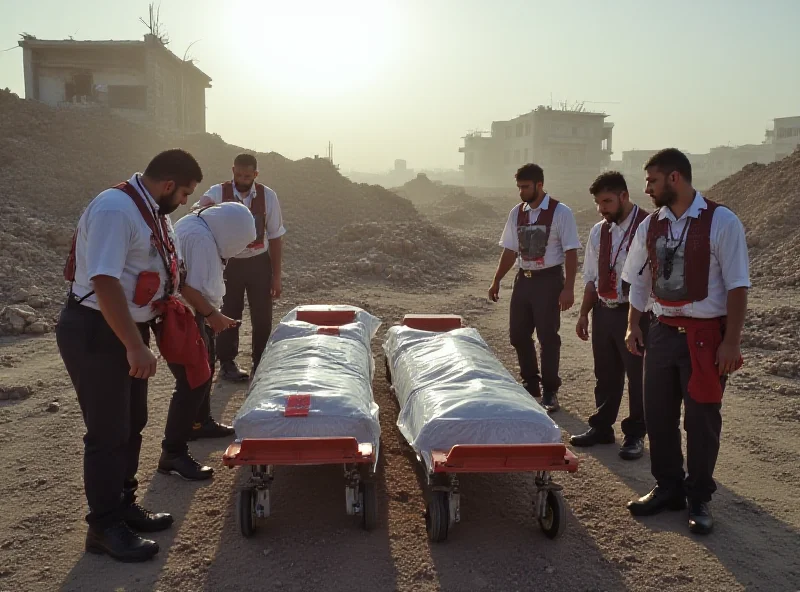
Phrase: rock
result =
(15, 393)
(20, 295)
(37, 301)
(53, 406)
(38, 328)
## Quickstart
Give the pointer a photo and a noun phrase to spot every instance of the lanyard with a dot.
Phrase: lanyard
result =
(612, 262)
(164, 245)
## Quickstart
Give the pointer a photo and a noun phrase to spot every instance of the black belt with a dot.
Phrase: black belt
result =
(531, 273)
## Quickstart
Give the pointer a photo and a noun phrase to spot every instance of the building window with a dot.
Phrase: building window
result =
(519, 130)
(507, 157)
(528, 128)
(127, 97)
(516, 156)
(508, 131)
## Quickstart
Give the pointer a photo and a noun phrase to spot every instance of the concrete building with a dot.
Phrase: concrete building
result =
(572, 146)
(140, 80)
(785, 136)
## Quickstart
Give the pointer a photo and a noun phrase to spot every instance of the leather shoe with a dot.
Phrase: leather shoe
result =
(211, 428)
(119, 542)
(142, 520)
(533, 389)
(184, 466)
(658, 500)
(700, 519)
(592, 437)
(230, 371)
(632, 448)
(550, 401)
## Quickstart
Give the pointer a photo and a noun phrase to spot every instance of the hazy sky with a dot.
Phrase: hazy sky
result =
(406, 79)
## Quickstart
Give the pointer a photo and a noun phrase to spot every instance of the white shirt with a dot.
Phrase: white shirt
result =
(563, 234)
(729, 268)
(275, 228)
(114, 240)
(591, 259)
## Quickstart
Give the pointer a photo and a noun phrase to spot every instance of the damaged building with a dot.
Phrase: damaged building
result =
(572, 146)
(140, 80)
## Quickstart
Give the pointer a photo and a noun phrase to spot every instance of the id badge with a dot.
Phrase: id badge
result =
(675, 311)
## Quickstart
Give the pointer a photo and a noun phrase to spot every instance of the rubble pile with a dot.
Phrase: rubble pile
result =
(54, 161)
(765, 197)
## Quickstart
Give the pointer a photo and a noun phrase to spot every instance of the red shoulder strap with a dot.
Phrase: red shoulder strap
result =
(259, 204)
(227, 191)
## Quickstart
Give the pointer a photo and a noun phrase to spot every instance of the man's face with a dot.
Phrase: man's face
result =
(243, 178)
(528, 190)
(661, 187)
(610, 205)
(172, 196)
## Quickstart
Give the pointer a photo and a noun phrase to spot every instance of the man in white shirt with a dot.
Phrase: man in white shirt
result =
(256, 270)
(691, 255)
(541, 236)
(606, 297)
(207, 238)
(123, 260)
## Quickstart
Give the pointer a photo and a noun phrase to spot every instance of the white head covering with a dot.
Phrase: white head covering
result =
(232, 226)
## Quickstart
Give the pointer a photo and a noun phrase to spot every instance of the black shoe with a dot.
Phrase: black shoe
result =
(656, 501)
(230, 371)
(700, 520)
(632, 448)
(211, 428)
(533, 389)
(184, 466)
(141, 520)
(550, 401)
(592, 437)
(119, 542)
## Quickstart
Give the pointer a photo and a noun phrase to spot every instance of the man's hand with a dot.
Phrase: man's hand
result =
(219, 322)
(494, 291)
(566, 299)
(142, 362)
(729, 357)
(276, 287)
(634, 340)
(582, 328)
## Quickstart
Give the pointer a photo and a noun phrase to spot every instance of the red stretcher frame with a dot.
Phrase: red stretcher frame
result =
(304, 451)
(490, 458)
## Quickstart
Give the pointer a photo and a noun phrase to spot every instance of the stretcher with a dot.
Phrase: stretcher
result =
(310, 403)
(462, 412)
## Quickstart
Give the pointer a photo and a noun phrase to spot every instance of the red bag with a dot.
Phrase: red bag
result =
(180, 342)
(147, 284)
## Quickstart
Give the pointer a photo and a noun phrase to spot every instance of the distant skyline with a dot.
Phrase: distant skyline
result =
(384, 80)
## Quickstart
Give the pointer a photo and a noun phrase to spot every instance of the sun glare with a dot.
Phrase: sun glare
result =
(318, 46)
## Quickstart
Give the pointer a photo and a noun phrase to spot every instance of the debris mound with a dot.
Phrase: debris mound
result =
(54, 161)
(766, 198)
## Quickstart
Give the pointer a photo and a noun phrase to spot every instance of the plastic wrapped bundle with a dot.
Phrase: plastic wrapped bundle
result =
(314, 382)
(453, 390)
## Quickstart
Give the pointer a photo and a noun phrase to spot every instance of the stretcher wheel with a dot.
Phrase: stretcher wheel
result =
(555, 517)
(246, 510)
(437, 516)
(388, 370)
(369, 505)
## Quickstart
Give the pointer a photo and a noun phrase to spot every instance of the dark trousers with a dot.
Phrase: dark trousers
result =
(188, 405)
(534, 306)
(612, 363)
(114, 408)
(667, 368)
(253, 276)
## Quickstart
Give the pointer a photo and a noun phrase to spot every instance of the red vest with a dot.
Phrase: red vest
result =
(606, 275)
(258, 207)
(531, 247)
(696, 260)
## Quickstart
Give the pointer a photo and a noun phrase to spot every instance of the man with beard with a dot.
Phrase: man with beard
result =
(606, 296)
(256, 271)
(123, 259)
(542, 237)
(691, 255)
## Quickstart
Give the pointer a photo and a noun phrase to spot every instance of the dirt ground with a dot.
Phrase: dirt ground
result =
(310, 543)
